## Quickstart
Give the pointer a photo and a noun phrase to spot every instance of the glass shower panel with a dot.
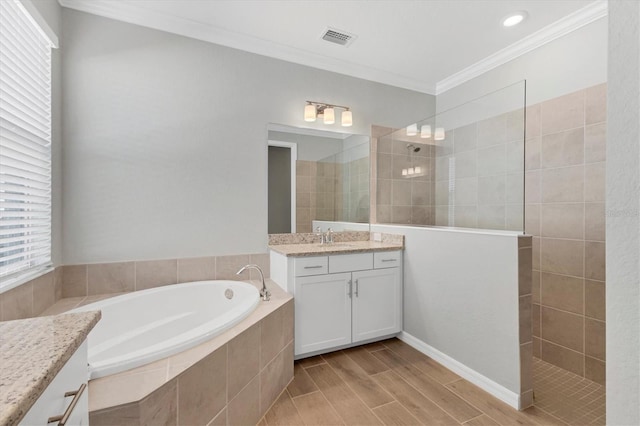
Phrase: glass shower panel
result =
(461, 168)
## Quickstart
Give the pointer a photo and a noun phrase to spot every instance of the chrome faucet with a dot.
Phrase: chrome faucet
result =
(328, 237)
(264, 293)
(320, 234)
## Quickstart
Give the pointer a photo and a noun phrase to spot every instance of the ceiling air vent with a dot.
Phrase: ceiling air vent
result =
(340, 37)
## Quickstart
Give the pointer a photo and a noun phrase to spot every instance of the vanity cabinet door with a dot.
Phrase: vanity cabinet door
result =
(377, 303)
(323, 312)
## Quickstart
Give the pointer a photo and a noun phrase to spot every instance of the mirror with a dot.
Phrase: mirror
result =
(315, 177)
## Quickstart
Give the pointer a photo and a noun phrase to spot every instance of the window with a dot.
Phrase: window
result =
(25, 142)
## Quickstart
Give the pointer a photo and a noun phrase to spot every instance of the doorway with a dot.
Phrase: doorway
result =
(282, 187)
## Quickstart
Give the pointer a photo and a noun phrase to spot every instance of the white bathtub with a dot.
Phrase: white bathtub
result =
(143, 326)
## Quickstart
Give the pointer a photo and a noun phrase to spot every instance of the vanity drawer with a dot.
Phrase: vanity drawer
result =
(306, 266)
(387, 259)
(350, 262)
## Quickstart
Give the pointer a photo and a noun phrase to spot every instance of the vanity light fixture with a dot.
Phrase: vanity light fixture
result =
(425, 131)
(514, 18)
(314, 110)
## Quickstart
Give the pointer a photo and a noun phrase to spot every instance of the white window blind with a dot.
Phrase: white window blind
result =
(25, 142)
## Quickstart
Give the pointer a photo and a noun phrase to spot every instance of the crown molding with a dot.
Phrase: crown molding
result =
(164, 22)
(578, 19)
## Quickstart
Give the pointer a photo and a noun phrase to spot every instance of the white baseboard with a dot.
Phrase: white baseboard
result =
(483, 382)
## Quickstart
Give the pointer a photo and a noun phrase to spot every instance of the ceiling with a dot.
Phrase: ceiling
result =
(421, 45)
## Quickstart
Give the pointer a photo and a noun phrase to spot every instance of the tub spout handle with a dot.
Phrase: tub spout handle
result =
(264, 293)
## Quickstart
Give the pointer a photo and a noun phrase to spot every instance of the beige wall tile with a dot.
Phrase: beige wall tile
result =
(535, 286)
(383, 214)
(58, 282)
(442, 167)
(202, 389)
(563, 185)
(288, 319)
(492, 161)
(532, 148)
(466, 216)
(275, 377)
(525, 271)
(532, 219)
(532, 188)
(515, 125)
(421, 193)
(161, 407)
(17, 303)
(595, 370)
(244, 409)
(536, 253)
(594, 299)
(123, 415)
(491, 190)
(156, 273)
(563, 328)
(562, 113)
(401, 193)
(595, 141)
(594, 221)
(220, 419)
(535, 320)
(594, 183)
(537, 347)
(596, 104)
(492, 131)
(420, 215)
(466, 164)
(563, 292)
(272, 336)
(562, 220)
(243, 359)
(262, 260)
(383, 191)
(74, 280)
(563, 149)
(526, 367)
(562, 256)
(465, 138)
(594, 257)
(533, 121)
(111, 278)
(400, 214)
(385, 166)
(514, 217)
(227, 266)
(594, 338)
(525, 309)
(563, 357)
(44, 293)
(466, 191)
(491, 217)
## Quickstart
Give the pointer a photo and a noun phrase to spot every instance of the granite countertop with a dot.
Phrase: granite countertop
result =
(32, 352)
(300, 250)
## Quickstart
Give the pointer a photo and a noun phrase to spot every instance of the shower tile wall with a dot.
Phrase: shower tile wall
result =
(565, 212)
(352, 204)
(306, 187)
(479, 178)
(403, 199)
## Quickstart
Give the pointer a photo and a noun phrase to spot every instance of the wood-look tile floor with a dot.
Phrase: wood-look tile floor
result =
(393, 384)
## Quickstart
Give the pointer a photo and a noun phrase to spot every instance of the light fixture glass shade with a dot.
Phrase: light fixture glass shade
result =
(417, 170)
(425, 131)
(310, 112)
(412, 129)
(329, 116)
(410, 171)
(404, 172)
(439, 134)
(347, 119)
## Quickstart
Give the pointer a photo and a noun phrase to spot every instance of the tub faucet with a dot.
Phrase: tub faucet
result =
(264, 293)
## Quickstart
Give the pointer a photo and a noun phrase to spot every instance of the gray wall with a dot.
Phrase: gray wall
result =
(165, 149)
(567, 64)
(279, 190)
(52, 14)
(623, 221)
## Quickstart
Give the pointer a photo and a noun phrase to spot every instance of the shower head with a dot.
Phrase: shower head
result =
(412, 147)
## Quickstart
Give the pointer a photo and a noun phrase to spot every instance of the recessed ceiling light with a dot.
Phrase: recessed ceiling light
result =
(514, 18)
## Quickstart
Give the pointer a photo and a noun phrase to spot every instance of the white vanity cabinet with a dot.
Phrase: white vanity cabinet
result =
(67, 394)
(341, 300)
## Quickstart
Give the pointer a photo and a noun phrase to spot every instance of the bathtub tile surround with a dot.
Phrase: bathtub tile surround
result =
(231, 379)
(525, 307)
(31, 298)
(32, 352)
(109, 278)
(565, 162)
